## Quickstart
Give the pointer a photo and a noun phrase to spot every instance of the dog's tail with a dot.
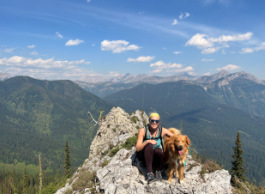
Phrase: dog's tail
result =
(175, 131)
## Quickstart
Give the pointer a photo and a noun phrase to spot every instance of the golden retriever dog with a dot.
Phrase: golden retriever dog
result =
(175, 152)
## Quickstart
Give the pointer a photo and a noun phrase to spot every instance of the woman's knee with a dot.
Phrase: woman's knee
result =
(158, 152)
(148, 147)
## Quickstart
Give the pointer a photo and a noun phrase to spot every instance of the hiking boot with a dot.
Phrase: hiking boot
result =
(150, 177)
(158, 175)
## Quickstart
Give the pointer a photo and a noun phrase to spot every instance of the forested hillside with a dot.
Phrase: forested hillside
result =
(212, 127)
(38, 116)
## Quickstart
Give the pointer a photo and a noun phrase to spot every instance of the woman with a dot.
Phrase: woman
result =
(149, 147)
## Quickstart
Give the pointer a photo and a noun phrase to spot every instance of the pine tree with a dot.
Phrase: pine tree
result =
(12, 186)
(238, 169)
(67, 163)
(40, 175)
(25, 182)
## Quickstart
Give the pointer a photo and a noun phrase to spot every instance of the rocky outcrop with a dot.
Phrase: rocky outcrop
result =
(115, 123)
(123, 173)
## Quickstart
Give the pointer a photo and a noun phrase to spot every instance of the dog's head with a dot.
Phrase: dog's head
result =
(179, 144)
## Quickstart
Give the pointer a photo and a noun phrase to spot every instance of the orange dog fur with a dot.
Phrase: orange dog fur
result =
(175, 152)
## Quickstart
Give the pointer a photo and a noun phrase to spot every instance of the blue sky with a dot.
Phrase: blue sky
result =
(70, 39)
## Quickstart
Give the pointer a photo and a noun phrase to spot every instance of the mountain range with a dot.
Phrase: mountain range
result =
(211, 126)
(39, 116)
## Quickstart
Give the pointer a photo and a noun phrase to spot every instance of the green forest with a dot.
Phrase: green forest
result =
(37, 117)
(211, 126)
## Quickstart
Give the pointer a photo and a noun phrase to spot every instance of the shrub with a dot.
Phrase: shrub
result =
(114, 130)
(114, 151)
(208, 167)
(108, 125)
(105, 163)
(85, 180)
(137, 127)
(134, 119)
(111, 146)
(130, 142)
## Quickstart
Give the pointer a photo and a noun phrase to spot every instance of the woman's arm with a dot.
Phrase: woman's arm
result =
(140, 144)
(166, 132)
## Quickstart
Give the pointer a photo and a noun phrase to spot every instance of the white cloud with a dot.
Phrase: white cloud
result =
(229, 67)
(207, 74)
(210, 50)
(88, 1)
(183, 16)
(175, 21)
(192, 73)
(9, 50)
(44, 68)
(207, 59)
(223, 51)
(93, 44)
(33, 53)
(187, 69)
(141, 59)
(73, 42)
(59, 35)
(202, 41)
(251, 50)
(31, 46)
(199, 41)
(161, 65)
(17, 61)
(177, 52)
(118, 46)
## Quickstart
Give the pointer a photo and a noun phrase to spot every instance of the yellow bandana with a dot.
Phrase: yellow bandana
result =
(154, 114)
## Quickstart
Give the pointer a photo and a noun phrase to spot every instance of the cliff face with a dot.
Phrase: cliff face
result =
(117, 122)
(113, 170)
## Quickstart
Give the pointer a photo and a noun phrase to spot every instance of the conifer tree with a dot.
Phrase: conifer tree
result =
(67, 163)
(12, 186)
(238, 169)
(25, 182)
(40, 175)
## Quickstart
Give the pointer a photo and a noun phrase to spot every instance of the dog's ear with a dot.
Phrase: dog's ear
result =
(172, 146)
(187, 140)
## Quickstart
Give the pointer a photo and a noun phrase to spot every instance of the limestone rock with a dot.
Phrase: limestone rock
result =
(115, 123)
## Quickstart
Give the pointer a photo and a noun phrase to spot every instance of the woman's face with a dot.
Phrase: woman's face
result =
(155, 124)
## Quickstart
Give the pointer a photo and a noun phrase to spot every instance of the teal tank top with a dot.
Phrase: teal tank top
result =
(158, 140)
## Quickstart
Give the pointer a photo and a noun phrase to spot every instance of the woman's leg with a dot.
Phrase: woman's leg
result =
(158, 158)
(146, 154)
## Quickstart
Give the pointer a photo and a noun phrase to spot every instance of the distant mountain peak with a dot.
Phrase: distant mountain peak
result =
(212, 78)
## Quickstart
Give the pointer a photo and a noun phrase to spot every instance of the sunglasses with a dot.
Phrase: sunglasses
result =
(152, 121)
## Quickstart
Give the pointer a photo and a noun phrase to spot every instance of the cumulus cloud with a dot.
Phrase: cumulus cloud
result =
(74, 42)
(177, 52)
(251, 50)
(210, 50)
(59, 35)
(187, 69)
(175, 21)
(207, 74)
(44, 68)
(229, 67)
(207, 59)
(43, 63)
(161, 65)
(202, 41)
(183, 16)
(33, 53)
(141, 59)
(31, 46)
(192, 73)
(118, 46)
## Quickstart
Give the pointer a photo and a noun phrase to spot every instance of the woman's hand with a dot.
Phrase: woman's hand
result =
(152, 141)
